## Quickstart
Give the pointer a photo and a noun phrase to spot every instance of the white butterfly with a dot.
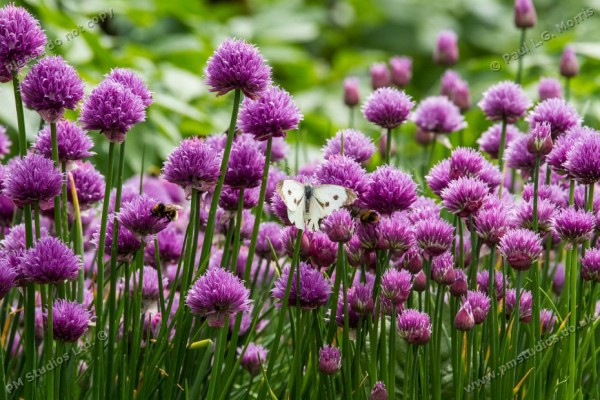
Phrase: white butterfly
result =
(308, 204)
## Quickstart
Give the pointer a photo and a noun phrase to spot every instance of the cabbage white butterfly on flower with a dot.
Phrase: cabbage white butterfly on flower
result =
(308, 204)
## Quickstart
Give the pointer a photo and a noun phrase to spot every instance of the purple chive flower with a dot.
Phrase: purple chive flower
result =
(322, 252)
(491, 223)
(379, 392)
(459, 287)
(21, 39)
(150, 285)
(539, 140)
(50, 87)
(113, 110)
(343, 171)
(5, 142)
(269, 234)
(464, 196)
(442, 269)
(360, 298)
(73, 143)
(552, 193)
(417, 214)
(395, 233)
(315, 288)
(271, 115)
(517, 155)
(32, 179)
(549, 88)
(132, 82)
(330, 360)
(170, 243)
(7, 211)
(401, 70)
(439, 177)
(574, 226)
(464, 320)
(50, 261)
(545, 211)
(434, 236)
(253, 358)
(568, 63)
(521, 248)
(558, 113)
(590, 265)
(230, 197)
(582, 162)
(489, 141)
(351, 92)
(480, 305)
(357, 145)
(456, 89)
(420, 282)
(547, 321)
(8, 278)
(89, 185)
(194, 165)
(483, 284)
(352, 314)
(525, 304)
(525, 16)
(414, 326)
(439, 115)
(216, 294)
(446, 50)
(563, 144)
(369, 236)
(127, 242)
(289, 237)
(387, 107)
(236, 64)
(396, 285)
(390, 190)
(70, 320)
(338, 226)
(504, 101)
(465, 162)
(137, 216)
(246, 164)
(380, 76)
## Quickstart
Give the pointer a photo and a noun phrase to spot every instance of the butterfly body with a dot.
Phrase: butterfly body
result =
(308, 204)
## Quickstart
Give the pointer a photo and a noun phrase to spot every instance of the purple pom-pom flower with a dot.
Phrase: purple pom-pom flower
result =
(70, 320)
(521, 248)
(112, 109)
(73, 143)
(414, 326)
(237, 65)
(387, 107)
(315, 288)
(439, 115)
(271, 115)
(50, 261)
(504, 101)
(216, 294)
(50, 87)
(32, 179)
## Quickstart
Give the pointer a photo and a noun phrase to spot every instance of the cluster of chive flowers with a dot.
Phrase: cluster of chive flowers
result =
(397, 243)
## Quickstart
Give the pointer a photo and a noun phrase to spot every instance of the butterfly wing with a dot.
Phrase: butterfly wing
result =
(292, 194)
(325, 200)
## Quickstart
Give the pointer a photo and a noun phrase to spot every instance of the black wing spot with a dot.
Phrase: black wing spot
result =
(289, 192)
(335, 197)
(297, 201)
(327, 204)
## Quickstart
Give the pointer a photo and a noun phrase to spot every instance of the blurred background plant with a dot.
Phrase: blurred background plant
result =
(312, 45)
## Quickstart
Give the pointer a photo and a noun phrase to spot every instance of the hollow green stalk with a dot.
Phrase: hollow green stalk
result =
(210, 223)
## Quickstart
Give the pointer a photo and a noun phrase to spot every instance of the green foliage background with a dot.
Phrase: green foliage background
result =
(312, 45)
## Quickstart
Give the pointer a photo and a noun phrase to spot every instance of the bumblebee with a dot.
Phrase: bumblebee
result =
(168, 211)
(365, 216)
